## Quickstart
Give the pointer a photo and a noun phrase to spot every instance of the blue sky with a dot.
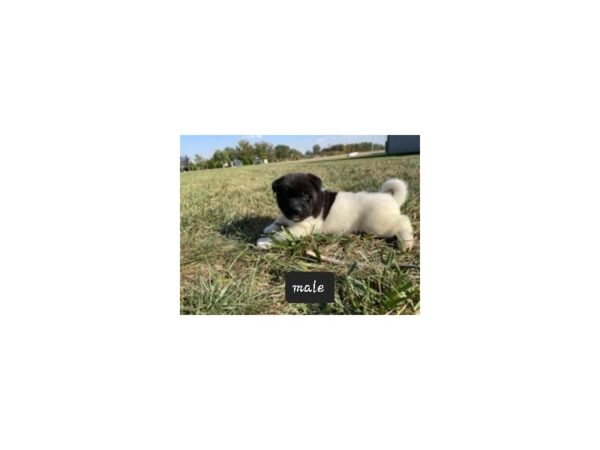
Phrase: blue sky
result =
(205, 145)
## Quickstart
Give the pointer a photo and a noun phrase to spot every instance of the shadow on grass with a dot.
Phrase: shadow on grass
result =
(246, 229)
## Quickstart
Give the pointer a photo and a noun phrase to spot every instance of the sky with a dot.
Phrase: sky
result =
(205, 145)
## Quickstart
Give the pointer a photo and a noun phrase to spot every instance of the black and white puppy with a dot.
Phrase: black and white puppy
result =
(307, 208)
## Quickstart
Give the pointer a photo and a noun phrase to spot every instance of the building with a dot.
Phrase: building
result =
(403, 144)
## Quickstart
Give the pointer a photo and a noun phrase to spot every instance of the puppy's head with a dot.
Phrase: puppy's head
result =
(298, 195)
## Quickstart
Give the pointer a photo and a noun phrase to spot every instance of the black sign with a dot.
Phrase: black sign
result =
(309, 287)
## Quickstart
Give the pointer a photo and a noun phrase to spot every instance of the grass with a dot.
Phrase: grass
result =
(224, 210)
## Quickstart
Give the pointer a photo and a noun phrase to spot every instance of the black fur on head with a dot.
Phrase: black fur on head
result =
(299, 195)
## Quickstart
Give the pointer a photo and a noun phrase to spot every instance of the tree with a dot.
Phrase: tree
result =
(198, 159)
(219, 158)
(184, 162)
(245, 152)
(229, 154)
(282, 152)
(316, 149)
(262, 150)
(294, 154)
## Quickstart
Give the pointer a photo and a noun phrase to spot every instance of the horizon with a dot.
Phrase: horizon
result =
(205, 145)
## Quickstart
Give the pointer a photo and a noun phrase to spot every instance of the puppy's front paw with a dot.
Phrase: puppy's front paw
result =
(408, 244)
(407, 240)
(264, 243)
(271, 229)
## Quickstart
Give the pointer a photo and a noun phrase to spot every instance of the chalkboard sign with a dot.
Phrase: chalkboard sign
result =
(309, 287)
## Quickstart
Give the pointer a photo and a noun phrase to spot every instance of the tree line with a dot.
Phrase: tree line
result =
(245, 153)
(340, 149)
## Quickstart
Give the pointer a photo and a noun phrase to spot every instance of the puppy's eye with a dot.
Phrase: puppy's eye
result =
(305, 196)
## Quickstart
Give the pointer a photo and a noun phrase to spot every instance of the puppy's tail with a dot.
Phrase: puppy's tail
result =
(397, 188)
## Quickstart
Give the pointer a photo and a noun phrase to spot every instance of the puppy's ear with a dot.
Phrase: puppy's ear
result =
(315, 180)
(276, 185)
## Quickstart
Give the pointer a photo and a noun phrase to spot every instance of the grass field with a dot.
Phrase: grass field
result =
(224, 210)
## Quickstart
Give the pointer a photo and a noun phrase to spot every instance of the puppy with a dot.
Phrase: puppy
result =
(307, 209)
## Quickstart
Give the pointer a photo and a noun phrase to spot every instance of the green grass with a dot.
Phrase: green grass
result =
(224, 210)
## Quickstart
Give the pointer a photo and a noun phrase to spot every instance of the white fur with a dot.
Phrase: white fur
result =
(376, 213)
(397, 188)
